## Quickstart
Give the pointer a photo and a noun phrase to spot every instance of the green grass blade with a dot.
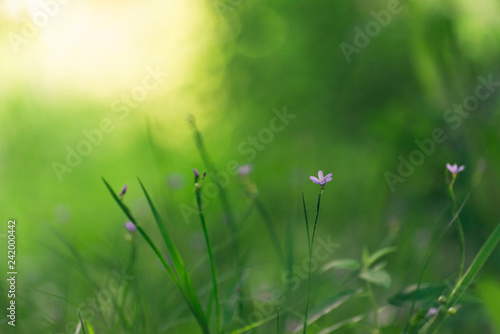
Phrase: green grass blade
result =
(82, 325)
(226, 206)
(475, 267)
(212, 261)
(195, 309)
(179, 266)
(89, 327)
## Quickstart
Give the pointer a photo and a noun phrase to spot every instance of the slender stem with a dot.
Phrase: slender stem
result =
(459, 228)
(226, 206)
(374, 304)
(211, 257)
(310, 246)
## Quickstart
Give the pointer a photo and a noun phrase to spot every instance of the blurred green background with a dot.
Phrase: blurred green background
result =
(68, 66)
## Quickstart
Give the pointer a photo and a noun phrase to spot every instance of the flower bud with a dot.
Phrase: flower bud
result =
(123, 192)
(130, 227)
(442, 300)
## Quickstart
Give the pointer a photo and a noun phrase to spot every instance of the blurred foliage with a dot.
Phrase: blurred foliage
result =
(232, 64)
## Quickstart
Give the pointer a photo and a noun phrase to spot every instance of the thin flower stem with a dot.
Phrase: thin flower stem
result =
(211, 257)
(310, 245)
(228, 211)
(459, 229)
(427, 261)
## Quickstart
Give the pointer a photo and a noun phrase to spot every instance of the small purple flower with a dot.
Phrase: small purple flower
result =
(130, 227)
(432, 311)
(321, 180)
(244, 170)
(454, 169)
(122, 193)
(196, 173)
(204, 175)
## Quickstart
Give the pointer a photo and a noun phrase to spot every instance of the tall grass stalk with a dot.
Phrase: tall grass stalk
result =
(179, 273)
(460, 229)
(211, 258)
(226, 206)
(310, 243)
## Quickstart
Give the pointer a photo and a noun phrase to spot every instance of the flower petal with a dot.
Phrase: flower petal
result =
(320, 174)
(452, 168)
(461, 168)
(328, 177)
(314, 179)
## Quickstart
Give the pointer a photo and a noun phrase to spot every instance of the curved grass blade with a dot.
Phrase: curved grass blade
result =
(378, 254)
(81, 325)
(179, 266)
(195, 309)
(475, 267)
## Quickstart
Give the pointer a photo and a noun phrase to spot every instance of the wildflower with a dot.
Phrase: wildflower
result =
(122, 193)
(321, 180)
(130, 227)
(454, 169)
(432, 311)
(244, 170)
(196, 174)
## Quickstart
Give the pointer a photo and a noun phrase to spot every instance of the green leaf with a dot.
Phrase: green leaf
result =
(378, 254)
(346, 264)
(342, 324)
(475, 267)
(378, 277)
(426, 292)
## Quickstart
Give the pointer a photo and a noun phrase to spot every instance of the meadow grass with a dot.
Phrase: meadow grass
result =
(422, 307)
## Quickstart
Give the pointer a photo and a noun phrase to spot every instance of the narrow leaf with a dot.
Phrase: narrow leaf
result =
(475, 267)
(82, 325)
(378, 254)
(346, 264)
